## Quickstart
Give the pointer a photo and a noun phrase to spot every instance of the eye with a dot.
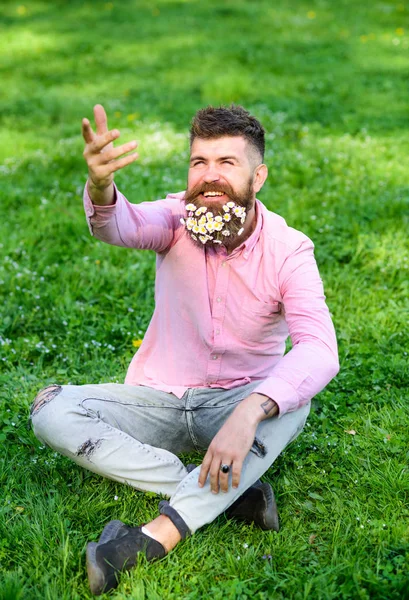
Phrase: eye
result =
(197, 162)
(227, 162)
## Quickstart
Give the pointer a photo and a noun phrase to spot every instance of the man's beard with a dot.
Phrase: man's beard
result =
(235, 208)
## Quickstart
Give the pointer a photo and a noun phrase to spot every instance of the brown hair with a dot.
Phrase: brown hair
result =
(211, 122)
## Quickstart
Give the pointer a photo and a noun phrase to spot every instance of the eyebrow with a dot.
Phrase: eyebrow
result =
(219, 159)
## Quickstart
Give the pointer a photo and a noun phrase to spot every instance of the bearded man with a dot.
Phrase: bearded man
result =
(233, 281)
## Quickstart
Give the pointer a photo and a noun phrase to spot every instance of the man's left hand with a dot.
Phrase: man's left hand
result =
(232, 443)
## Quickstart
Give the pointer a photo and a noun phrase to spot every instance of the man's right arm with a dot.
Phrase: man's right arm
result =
(111, 218)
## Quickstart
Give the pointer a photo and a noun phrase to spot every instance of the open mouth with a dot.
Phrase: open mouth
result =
(213, 195)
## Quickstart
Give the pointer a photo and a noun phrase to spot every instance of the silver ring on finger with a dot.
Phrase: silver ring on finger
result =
(224, 468)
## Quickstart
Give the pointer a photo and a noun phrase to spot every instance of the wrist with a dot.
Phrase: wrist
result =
(257, 407)
(101, 186)
(101, 195)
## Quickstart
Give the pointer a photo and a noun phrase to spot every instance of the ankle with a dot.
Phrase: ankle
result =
(163, 530)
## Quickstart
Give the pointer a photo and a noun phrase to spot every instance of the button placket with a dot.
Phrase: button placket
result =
(218, 313)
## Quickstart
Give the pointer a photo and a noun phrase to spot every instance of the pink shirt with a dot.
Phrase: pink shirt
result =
(222, 320)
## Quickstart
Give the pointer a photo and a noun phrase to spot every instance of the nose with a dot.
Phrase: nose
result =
(211, 174)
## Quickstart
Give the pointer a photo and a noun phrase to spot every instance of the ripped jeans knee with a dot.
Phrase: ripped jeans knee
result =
(44, 397)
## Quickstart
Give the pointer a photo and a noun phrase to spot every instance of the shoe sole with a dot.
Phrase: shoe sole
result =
(96, 576)
(270, 518)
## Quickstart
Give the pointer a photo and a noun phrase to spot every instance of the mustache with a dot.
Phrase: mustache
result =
(202, 188)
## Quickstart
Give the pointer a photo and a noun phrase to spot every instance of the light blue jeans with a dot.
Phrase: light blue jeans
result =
(133, 434)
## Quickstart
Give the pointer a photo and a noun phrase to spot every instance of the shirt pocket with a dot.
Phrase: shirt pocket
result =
(259, 320)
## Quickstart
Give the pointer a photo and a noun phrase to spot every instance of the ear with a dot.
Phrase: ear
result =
(260, 175)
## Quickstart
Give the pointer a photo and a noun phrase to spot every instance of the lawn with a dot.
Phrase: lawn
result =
(329, 81)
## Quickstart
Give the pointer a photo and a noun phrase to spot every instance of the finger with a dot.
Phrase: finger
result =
(87, 132)
(119, 151)
(204, 469)
(214, 476)
(236, 473)
(105, 171)
(101, 120)
(100, 141)
(224, 481)
(123, 162)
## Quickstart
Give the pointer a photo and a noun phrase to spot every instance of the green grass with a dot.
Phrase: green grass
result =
(329, 82)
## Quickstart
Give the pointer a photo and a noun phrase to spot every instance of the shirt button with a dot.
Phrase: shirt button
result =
(215, 357)
(217, 331)
(218, 299)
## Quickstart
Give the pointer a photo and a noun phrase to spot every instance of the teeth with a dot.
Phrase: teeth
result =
(207, 194)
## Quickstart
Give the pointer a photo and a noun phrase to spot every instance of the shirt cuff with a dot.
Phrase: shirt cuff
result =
(283, 394)
(91, 208)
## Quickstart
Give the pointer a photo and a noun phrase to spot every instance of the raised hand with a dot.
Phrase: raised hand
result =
(102, 158)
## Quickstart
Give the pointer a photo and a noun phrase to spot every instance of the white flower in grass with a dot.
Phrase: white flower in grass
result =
(230, 204)
(210, 226)
(116, 498)
(240, 231)
(226, 208)
(202, 220)
(209, 215)
(218, 226)
(202, 230)
(203, 238)
(237, 211)
(227, 217)
(190, 223)
(195, 228)
(226, 232)
(190, 207)
(219, 219)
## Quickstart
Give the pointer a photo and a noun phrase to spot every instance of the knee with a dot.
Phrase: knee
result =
(42, 420)
(44, 397)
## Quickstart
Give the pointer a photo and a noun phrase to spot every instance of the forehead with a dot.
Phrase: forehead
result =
(217, 147)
